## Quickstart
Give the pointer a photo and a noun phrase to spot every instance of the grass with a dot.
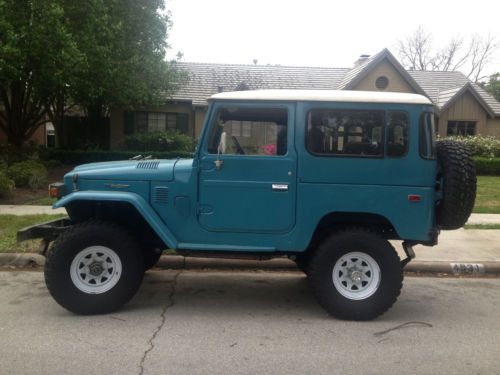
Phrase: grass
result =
(45, 201)
(488, 195)
(10, 224)
(482, 226)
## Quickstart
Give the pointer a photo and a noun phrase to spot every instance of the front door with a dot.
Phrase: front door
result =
(247, 180)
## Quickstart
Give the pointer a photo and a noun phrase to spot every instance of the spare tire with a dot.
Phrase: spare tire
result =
(457, 177)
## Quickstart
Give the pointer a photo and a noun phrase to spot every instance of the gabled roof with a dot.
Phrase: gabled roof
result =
(447, 97)
(207, 79)
(356, 75)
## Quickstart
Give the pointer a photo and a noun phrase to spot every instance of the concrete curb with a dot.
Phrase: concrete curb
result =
(278, 264)
(14, 260)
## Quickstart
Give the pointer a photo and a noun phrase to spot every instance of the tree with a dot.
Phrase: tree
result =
(493, 85)
(37, 57)
(95, 54)
(471, 56)
(125, 44)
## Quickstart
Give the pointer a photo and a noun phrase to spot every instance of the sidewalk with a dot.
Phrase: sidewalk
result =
(462, 251)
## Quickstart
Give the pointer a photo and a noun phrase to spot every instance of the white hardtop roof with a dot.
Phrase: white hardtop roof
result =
(324, 96)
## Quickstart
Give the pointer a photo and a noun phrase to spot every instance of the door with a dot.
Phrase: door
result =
(247, 180)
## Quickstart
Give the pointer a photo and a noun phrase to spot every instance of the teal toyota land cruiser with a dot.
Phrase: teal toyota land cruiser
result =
(326, 178)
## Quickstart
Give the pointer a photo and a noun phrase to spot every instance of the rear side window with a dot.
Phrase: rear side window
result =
(345, 133)
(427, 130)
(397, 133)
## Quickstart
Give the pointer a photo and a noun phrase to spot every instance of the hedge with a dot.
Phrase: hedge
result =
(487, 166)
(74, 157)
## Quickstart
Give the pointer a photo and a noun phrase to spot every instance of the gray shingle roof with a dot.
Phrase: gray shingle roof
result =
(207, 79)
(433, 83)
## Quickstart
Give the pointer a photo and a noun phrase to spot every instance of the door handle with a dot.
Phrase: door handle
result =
(218, 164)
(280, 187)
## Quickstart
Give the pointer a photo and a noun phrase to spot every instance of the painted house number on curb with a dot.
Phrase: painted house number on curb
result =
(467, 268)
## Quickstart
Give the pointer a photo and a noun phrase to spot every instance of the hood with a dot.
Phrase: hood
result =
(127, 170)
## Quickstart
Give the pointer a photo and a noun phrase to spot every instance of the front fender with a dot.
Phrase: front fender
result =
(135, 200)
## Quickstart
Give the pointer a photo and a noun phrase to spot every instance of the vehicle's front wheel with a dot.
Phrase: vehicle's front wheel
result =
(355, 274)
(94, 268)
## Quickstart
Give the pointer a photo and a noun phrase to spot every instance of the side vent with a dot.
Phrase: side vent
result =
(160, 195)
(148, 164)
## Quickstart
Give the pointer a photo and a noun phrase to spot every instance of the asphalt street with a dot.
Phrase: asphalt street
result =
(185, 322)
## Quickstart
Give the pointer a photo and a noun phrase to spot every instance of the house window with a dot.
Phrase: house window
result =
(462, 128)
(345, 132)
(142, 122)
(241, 129)
(157, 122)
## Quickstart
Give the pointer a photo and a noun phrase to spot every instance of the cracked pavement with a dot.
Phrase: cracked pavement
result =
(250, 323)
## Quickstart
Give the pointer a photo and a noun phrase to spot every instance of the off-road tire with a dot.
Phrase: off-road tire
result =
(69, 246)
(331, 252)
(302, 262)
(457, 172)
(151, 256)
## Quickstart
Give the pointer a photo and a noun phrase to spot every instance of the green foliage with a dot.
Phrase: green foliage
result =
(6, 184)
(75, 157)
(487, 166)
(488, 195)
(28, 174)
(38, 57)
(10, 224)
(480, 146)
(158, 141)
(125, 45)
(493, 85)
(96, 54)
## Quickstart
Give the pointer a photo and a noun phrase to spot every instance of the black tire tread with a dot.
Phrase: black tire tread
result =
(64, 294)
(459, 184)
(330, 249)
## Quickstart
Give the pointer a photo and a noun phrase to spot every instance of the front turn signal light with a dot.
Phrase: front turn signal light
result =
(56, 190)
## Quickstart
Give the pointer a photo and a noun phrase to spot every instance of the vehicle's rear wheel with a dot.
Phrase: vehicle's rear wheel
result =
(355, 274)
(94, 268)
(302, 260)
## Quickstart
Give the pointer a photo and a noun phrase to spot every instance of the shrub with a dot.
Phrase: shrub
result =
(480, 146)
(74, 157)
(158, 141)
(28, 172)
(6, 184)
(487, 166)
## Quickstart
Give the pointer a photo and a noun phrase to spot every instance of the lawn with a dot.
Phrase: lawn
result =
(488, 195)
(10, 224)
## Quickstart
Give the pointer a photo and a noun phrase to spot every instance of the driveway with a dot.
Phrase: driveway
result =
(186, 322)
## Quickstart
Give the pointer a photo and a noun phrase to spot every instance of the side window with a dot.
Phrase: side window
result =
(427, 135)
(397, 133)
(345, 132)
(249, 131)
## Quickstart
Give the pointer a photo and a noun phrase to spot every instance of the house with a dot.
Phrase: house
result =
(462, 107)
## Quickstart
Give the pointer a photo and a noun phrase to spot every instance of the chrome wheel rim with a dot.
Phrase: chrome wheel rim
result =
(96, 269)
(356, 275)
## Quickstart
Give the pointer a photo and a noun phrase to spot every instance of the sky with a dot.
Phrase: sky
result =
(319, 33)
